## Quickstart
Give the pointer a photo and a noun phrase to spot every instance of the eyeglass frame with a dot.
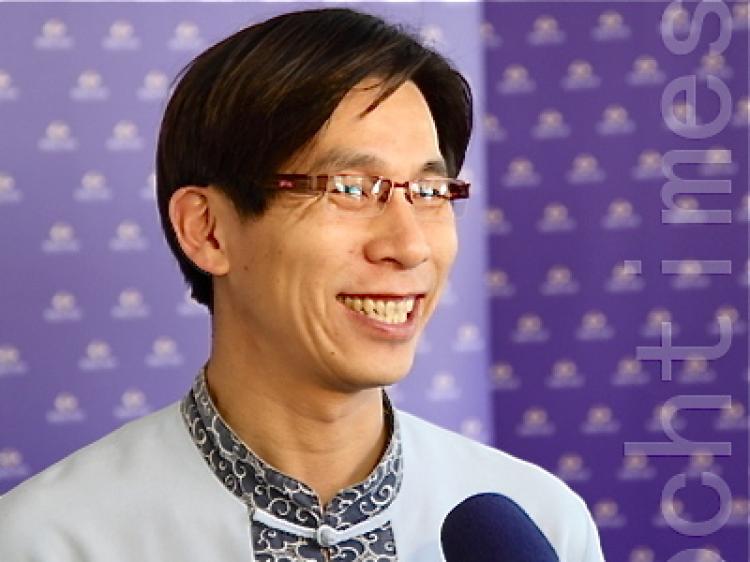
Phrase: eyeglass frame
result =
(291, 182)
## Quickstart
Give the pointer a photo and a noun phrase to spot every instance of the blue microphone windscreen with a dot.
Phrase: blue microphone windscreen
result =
(493, 528)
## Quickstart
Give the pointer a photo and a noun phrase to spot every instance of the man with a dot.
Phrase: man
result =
(306, 176)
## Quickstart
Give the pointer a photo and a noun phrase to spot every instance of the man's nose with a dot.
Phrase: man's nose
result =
(398, 235)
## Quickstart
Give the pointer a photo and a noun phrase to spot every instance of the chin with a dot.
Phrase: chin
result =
(383, 373)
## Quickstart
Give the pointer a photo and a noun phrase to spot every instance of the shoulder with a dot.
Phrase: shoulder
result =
(98, 487)
(112, 454)
(469, 468)
(456, 453)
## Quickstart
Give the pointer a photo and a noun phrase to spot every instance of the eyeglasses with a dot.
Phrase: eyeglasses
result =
(438, 199)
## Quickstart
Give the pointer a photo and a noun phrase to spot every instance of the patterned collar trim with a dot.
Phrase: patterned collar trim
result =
(260, 485)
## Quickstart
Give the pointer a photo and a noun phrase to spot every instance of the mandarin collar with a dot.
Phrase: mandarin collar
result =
(261, 486)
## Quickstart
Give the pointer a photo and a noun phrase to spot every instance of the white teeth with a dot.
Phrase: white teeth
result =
(380, 308)
(368, 306)
(388, 311)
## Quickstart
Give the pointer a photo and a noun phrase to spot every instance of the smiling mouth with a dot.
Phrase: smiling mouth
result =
(389, 310)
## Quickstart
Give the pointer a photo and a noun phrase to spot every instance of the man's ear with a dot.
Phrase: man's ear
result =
(195, 214)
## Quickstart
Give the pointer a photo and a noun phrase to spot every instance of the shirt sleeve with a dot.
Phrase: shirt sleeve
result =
(593, 549)
(22, 538)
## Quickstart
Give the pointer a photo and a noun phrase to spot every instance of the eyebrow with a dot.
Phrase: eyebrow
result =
(336, 158)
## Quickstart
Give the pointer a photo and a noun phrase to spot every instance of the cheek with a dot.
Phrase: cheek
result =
(313, 267)
(257, 269)
(444, 250)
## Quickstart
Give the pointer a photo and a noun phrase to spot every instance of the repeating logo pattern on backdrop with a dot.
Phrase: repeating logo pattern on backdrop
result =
(109, 332)
(574, 142)
(575, 146)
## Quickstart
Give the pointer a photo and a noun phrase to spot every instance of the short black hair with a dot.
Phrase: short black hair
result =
(248, 104)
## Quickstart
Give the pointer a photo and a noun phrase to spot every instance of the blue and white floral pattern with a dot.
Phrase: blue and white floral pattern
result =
(260, 486)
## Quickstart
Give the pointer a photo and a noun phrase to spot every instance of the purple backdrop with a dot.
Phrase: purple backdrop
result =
(560, 277)
(579, 274)
(96, 327)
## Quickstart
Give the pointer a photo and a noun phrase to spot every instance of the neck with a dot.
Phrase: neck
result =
(326, 439)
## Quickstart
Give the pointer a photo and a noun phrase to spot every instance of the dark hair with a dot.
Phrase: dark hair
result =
(251, 102)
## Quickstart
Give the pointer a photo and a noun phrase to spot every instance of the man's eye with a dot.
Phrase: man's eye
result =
(352, 190)
(432, 189)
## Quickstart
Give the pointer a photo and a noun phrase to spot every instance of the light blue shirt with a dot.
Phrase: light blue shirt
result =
(148, 492)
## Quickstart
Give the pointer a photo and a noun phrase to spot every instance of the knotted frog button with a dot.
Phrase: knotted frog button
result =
(325, 535)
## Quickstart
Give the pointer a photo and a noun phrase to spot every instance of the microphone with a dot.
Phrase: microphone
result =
(493, 528)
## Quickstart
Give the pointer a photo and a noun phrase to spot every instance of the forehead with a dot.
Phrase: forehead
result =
(398, 136)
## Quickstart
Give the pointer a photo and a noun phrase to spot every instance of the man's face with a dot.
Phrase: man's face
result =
(301, 274)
